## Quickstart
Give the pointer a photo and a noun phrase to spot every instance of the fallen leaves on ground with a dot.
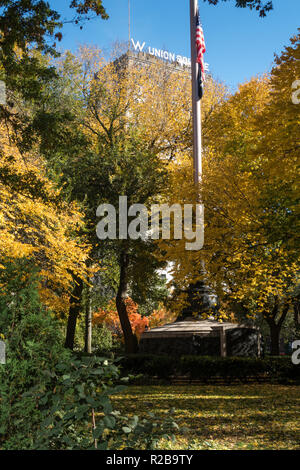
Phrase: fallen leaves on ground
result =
(222, 417)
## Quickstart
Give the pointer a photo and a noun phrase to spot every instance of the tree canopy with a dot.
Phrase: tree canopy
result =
(250, 191)
(262, 6)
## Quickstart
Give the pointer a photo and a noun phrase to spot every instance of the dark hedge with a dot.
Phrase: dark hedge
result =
(274, 369)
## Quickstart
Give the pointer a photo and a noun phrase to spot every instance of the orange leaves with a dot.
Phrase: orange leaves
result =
(139, 324)
(110, 318)
(161, 316)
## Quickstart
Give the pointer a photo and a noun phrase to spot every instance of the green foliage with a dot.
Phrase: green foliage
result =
(259, 5)
(50, 399)
(71, 395)
(29, 31)
(151, 295)
(102, 338)
(34, 342)
(96, 6)
(24, 25)
(78, 414)
(27, 23)
(19, 294)
(147, 432)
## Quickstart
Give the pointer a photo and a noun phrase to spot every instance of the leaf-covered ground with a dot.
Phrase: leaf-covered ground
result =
(222, 417)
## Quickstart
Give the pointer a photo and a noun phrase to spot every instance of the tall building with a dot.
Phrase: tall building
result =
(132, 58)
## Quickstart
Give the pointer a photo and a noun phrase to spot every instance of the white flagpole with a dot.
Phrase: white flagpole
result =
(195, 95)
(197, 128)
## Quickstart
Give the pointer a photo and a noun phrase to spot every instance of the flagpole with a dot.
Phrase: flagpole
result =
(197, 142)
(196, 101)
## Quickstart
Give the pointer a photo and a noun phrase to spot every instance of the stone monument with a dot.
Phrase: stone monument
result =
(200, 299)
(191, 335)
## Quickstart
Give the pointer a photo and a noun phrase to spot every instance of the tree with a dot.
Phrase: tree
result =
(124, 169)
(110, 318)
(128, 142)
(36, 223)
(29, 30)
(25, 24)
(30, 24)
(102, 140)
(261, 6)
(251, 199)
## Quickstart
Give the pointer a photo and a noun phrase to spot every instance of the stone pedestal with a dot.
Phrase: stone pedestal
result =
(202, 338)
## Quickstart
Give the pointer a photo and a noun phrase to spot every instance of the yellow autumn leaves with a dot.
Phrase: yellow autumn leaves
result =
(36, 223)
(250, 190)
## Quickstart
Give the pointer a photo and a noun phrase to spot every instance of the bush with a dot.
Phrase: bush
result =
(34, 343)
(278, 369)
(41, 348)
(198, 367)
(50, 398)
(282, 370)
(162, 366)
(78, 414)
(102, 338)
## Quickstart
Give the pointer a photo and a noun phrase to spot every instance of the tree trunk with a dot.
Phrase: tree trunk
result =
(88, 323)
(75, 305)
(275, 335)
(275, 328)
(130, 339)
(296, 305)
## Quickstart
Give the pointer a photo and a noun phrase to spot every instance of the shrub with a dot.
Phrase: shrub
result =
(34, 342)
(206, 367)
(50, 398)
(19, 415)
(78, 413)
(149, 364)
(102, 338)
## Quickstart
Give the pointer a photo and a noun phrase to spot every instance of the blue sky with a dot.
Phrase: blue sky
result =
(239, 43)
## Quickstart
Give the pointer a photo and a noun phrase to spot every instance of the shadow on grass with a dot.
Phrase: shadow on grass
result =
(228, 416)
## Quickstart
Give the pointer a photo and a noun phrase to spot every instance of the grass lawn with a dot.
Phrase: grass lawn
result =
(222, 417)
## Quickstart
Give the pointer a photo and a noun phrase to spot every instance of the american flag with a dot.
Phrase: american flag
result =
(200, 43)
